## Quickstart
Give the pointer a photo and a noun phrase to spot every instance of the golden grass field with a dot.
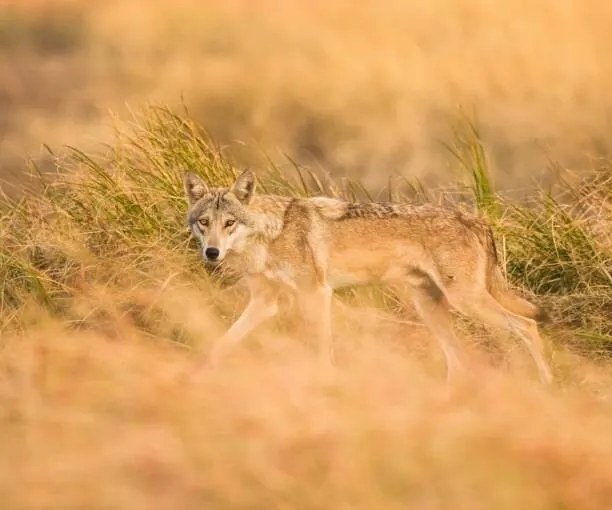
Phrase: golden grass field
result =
(106, 311)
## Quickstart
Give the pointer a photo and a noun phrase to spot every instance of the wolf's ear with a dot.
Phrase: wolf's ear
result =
(244, 187)
(195, 187)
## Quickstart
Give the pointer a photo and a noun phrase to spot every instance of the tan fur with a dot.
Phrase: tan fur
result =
(439, 259)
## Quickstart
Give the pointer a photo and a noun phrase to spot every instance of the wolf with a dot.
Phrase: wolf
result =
(439, 259)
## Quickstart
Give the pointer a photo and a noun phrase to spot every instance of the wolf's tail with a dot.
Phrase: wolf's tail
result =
(497, 285)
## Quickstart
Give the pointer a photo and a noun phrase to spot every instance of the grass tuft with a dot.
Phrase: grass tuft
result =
(116, 220)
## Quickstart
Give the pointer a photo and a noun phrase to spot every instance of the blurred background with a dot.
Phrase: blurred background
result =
(363, 88)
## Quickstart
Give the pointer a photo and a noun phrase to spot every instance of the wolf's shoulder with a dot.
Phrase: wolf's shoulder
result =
(273, 205)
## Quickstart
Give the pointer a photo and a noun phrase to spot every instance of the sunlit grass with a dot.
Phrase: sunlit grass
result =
(119, 218)
(107, 311)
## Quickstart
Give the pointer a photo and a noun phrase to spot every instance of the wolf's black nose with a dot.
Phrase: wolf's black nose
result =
(212, 253)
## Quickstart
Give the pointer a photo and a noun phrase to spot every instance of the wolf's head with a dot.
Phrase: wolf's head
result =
(218, 217)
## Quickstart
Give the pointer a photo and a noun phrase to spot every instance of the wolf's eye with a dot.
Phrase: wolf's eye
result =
(229, 223)
(203, 222)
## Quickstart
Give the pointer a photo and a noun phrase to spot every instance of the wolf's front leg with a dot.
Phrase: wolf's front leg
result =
(316, 305)
(263, 305)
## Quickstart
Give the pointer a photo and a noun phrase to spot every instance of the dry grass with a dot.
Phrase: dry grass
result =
(104, 404)
(109, 421)
(105, 305)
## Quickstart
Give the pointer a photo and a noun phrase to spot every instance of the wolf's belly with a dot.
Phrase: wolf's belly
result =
(338, 279)
(350, 265)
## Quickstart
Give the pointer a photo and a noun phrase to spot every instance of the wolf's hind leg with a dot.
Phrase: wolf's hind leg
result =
(485, 307)
(434, 310)
(263, 305)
